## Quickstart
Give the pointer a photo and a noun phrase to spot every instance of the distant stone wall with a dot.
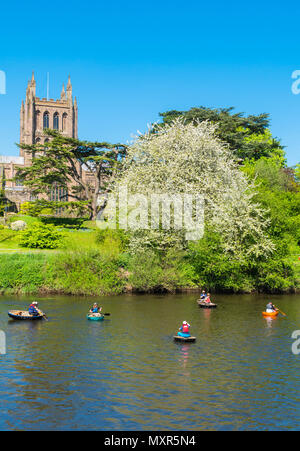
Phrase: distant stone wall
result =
(18, 197)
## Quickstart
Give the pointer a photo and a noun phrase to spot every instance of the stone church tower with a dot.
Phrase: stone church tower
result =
(38, 114)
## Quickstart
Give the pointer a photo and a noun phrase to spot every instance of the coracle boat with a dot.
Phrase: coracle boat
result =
(93, 317)
(205, 305)
(184, 339)
(23, 316)
(270, 314)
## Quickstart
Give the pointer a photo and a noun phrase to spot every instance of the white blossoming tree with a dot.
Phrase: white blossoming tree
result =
(187, 159)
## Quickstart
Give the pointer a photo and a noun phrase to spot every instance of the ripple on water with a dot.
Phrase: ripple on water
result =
(127, 373)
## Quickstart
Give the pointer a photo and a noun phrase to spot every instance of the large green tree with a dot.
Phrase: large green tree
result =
(183, 159)
(247, 136)
(86, 169)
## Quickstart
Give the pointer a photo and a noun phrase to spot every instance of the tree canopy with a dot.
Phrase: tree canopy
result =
(188, 158)
(85, 169)
(248, 137)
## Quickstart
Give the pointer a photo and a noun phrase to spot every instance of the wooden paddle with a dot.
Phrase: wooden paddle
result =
(43, 314)
(280, 311)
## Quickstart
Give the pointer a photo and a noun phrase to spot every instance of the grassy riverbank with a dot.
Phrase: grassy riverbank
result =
(89, 266)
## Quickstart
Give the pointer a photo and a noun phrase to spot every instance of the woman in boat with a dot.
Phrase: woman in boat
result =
(184, 330)
(33, 309)
(271, 308)
(96, 309)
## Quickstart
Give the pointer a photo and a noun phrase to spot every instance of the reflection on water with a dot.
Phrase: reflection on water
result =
(126, 373)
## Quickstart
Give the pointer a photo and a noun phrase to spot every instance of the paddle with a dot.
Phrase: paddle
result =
(43, 315)
(105, 314)
(280, 311)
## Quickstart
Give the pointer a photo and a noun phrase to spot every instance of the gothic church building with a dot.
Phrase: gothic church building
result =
(36, 115)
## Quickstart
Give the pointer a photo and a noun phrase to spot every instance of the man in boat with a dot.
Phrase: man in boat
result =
(271, 308)
(33, 309)
(96, 309)
(203, 296)
(184, 330)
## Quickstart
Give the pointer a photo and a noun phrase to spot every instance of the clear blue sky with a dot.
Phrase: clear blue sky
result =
(130, 60)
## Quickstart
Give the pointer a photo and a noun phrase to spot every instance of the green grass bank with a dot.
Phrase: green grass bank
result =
(90, 262)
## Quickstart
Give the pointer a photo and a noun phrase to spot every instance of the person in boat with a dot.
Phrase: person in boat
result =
(207, 299)
(33, 309)
(184, 330)
(271, 308)
(96, 309)
(203, 296)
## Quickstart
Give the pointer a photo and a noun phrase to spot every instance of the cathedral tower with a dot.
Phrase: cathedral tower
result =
(37, 114)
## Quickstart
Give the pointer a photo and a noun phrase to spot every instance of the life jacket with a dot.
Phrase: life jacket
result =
(32, 309)
(95, 309)
(185, 328)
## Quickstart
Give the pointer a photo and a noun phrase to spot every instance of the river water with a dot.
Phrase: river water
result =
(126, 373)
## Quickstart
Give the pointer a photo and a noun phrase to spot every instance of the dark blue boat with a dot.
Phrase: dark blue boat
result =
(23, 316)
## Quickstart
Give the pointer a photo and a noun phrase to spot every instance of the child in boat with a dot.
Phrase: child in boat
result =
(33, 309)
(184, 330)
(271, 308)
(207, 299)
(96, 309)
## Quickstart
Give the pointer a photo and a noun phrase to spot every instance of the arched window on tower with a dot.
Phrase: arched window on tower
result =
(46, 120)
(55, 121)
(64, 121)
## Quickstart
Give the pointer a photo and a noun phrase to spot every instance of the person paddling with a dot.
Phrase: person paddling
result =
(184, 330)
(33, 309)
(270, 308)
(96, 309)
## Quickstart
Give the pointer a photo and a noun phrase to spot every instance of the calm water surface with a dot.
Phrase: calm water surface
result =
(126, 373)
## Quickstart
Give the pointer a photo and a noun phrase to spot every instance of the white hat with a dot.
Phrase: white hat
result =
(35, 302)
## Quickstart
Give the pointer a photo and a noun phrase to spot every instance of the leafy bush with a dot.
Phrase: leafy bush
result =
(149, 272)
(42, 237)
(83, 272)
(47, 207)
(22, 273)
(276, 276)
(74, 223)
(108, 236)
